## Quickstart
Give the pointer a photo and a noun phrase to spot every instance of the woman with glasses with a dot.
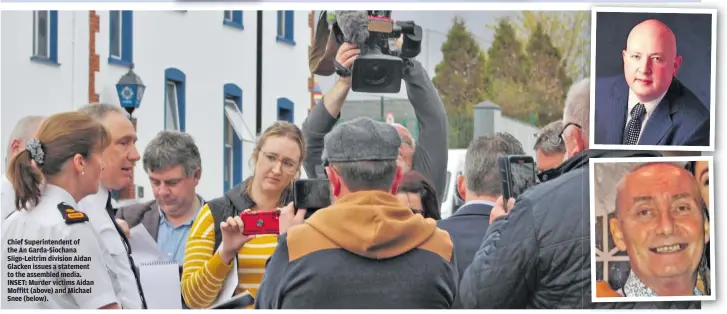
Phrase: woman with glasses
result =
(418, 193)
(216, 245)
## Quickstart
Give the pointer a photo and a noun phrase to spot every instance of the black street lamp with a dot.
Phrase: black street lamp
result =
(130, 89)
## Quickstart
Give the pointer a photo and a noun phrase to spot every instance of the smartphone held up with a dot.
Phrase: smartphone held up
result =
(517, 174)
(308, 194)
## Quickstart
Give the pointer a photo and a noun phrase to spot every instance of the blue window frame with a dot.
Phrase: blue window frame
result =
(285, 110)
(233, 19)
(121, 38)
(286, 26)
(175, 99)
(232, 148)
(45, 37)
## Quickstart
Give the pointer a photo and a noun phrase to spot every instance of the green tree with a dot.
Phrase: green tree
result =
(548, 81)
(460, 80)
(506, 58)
(569, 31)
(507, 72)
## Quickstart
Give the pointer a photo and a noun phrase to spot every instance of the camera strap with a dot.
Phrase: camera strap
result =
(341, 70)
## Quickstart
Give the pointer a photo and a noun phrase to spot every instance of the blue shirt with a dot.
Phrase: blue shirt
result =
(173, 240)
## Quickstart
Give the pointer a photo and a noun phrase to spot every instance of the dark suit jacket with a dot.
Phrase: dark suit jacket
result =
(146, 213)
(680, 119)
(467, 227)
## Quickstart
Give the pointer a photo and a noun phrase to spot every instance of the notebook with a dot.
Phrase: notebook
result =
(161, 284)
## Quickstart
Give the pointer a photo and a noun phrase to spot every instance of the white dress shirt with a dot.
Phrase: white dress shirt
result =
(649, 105)
(8, 198)
(95, 207)
(46, 222)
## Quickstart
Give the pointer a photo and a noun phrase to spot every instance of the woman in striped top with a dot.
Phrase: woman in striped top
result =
(213, 245)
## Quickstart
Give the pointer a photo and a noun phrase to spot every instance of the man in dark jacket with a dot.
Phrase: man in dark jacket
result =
(538, 255)
(428, 155)
(367, 250)
(480, 187)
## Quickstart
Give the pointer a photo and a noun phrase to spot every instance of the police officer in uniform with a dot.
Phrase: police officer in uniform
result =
(67, 156)
(119, 160)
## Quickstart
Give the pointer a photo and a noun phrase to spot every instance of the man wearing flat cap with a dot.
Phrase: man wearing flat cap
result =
(367, 250)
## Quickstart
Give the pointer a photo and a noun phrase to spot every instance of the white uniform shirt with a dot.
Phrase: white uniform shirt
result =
(8, 198)
(95, 207)
(45, 222)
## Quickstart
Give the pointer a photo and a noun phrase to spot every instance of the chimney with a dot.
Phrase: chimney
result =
(486, 116)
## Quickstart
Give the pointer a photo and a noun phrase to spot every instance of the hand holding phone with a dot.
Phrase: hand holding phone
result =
(517, 174)
(311, 195)
(260, 222)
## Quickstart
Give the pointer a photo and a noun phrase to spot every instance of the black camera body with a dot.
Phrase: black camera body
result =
(378, 69)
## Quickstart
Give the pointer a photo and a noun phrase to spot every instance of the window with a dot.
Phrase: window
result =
(285, 27)
(175, 100)
(45, 36)
(285, 110)
(121, 34)
(235, 131)
(233, 19)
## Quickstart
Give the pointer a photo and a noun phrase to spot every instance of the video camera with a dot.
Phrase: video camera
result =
(378, 69)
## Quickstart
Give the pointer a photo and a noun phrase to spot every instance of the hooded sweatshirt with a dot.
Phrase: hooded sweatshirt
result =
(366, 251)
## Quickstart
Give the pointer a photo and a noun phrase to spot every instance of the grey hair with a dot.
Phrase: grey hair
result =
(481, 171)
(99, 111)
(578, 106)
(548, 140)
(367, 175)
(172, 148)
(24, 130)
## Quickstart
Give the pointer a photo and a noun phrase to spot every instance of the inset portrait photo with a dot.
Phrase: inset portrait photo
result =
(653, 80)
(651, 232)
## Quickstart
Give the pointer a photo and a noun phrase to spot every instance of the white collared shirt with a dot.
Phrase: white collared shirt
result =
(95, 207)
(46, 222)
(649, 105)
(8, 198)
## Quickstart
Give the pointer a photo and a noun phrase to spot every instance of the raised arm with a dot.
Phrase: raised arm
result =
(431, 154)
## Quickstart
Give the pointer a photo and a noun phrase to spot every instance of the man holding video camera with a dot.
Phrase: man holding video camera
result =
(367, 250)
(428, 155)
(536, 254)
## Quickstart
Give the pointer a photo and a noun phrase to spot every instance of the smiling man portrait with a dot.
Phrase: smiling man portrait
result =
(661, 222)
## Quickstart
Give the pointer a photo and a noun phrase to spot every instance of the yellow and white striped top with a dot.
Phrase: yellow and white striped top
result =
(204, 271)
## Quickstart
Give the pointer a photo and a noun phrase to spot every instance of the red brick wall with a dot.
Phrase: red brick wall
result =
(93, 58)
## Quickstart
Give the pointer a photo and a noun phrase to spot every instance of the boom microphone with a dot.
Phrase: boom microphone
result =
(355, 26)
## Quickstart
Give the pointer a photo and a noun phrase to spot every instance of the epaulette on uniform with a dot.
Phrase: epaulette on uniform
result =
(70, 215)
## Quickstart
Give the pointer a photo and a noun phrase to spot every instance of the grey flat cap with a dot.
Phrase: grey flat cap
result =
(361, 139)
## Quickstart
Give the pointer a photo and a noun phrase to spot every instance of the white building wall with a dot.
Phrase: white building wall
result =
(195, 42)
(34, 88)
(284, 76)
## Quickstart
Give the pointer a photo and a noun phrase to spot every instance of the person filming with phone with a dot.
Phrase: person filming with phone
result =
(218, 245)
(367, 250)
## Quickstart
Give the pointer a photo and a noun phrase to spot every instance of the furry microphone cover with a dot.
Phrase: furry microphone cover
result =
(354, 25)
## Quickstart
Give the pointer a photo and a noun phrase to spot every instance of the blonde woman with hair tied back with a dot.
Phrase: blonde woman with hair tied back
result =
(216, 245)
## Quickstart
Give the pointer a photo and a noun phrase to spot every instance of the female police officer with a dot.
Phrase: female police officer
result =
(51, 254)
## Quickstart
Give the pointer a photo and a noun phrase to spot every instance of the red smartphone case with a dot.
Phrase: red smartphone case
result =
(261, 222)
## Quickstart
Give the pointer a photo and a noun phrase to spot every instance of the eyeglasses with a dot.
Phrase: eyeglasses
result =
(288, 166)
(565, 127)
